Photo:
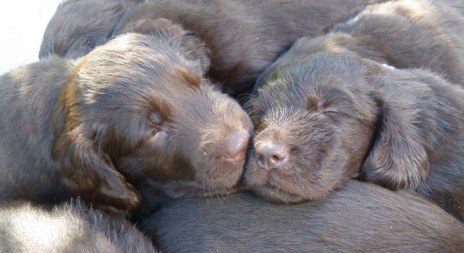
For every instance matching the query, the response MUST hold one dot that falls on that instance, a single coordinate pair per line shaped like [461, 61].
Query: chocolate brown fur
[97, 20]
[132, 112]
[404, 34]
[359, 218]
[404, 128]
[70, 227]
[242, 37]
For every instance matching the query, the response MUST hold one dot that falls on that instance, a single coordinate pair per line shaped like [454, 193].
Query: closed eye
[337, 113]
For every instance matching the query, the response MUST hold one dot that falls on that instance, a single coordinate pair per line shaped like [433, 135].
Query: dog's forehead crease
[315, 84]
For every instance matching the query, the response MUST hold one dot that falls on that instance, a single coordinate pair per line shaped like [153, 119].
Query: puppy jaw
[321, 157]
[213, 134]
[193, 157]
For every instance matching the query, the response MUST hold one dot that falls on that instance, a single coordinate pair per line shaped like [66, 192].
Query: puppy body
[70, 227]
[401, 128]
[360, 217]
[133, 112]
[241, 37]
[404, 34]
[27, 131]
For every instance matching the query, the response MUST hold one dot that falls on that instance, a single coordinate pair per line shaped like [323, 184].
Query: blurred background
[22, 24]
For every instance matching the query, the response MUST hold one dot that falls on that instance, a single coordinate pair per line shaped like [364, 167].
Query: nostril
[271, 155]
[237, 143]
[261, 162]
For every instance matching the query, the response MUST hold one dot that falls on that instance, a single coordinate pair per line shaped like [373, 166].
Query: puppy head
[182, 40]
[138, 109]
[78, 26]
[314, 120]
[144, 20]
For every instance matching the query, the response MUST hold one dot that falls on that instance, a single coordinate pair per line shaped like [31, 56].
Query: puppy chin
[280, 188]
[277, 195]
[193, 189]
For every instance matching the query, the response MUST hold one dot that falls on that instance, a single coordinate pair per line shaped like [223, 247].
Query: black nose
[271, 155]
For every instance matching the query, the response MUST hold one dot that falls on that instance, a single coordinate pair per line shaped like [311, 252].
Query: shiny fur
[398, 128]
[242, 37]
[134, 113]
[70, 227]
[359, 218]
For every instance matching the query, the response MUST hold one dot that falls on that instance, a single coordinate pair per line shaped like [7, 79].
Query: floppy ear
[398, 158]
[84, 169]
[175, 35]
[86, 172]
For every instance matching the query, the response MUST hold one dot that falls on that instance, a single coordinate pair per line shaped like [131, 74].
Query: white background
[22, 24]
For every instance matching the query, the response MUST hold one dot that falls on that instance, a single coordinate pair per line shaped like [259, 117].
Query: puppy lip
[277, 194]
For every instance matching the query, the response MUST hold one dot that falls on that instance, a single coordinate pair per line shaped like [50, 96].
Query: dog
[360, 217]
[70, 227]
[404, 34]
[132, 114]
[328, 117]
[241, 37]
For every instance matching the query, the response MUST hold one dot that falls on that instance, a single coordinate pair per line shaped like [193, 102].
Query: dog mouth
[194, 189]
[288, 188]
[277, 195]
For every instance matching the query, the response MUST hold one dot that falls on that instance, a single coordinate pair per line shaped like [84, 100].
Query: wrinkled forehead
[137, 63]
[317, 72]
[319, 83]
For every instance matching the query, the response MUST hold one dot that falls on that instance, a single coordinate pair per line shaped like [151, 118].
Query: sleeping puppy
[360, 217]
[404, 34]
[70, 227]
[323, 118]
[242, 37]
[134, 112]
[97, 23]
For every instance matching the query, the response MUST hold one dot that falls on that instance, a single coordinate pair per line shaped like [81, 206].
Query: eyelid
[339, 113]
[155, 118]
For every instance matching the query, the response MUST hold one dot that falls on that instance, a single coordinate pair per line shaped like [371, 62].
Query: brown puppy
[68, 228]
[404, 34]
[359, 218]
[97, 20]
[242, 37]
[322, 117]
[133, 112]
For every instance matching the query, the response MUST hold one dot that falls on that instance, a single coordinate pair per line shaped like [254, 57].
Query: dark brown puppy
[97, 20]
[322, 117]
[68, 228]
[404, 34]
[242, 37]
[133, 112]
[359, 218]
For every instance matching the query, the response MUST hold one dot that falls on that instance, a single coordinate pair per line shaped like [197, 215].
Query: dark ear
[173, 34]
[88, 173]
[397, 158]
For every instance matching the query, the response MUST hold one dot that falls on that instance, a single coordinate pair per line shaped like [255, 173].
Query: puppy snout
[236, 144]
[271, 155]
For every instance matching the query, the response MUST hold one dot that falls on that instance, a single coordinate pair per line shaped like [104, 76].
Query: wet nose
[271, 155]
[237, 144]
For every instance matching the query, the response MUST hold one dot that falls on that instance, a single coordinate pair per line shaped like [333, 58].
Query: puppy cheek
[159, 139]
[253, 175]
